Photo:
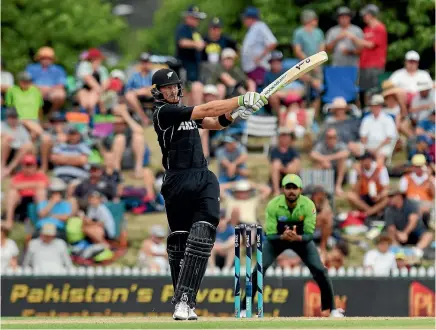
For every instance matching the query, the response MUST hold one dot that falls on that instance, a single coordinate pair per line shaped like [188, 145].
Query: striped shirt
[72, 150]
[138, 80]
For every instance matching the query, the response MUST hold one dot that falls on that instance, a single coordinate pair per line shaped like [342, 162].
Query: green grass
[218, 323]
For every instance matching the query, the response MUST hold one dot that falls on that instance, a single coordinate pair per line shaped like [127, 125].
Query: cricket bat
[298, 70]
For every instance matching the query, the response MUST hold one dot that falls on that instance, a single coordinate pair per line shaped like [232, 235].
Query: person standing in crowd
[290, 224]
[258, 42]
[216, 41]
[344, 51]
[189, 188]
[189, 46]
[374, 46]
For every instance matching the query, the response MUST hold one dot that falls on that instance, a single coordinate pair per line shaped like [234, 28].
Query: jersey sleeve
[271, 219]
[170, 114]
[199, 123]
[309, 221]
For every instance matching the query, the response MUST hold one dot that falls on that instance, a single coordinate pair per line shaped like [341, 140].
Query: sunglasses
[46, 58]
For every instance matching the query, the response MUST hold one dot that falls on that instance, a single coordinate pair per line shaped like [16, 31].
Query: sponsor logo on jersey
[187, 126]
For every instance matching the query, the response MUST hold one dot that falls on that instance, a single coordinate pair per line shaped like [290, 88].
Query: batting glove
[244, 112]
[252, 100]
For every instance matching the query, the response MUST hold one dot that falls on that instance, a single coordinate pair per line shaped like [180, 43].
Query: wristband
[224, 122]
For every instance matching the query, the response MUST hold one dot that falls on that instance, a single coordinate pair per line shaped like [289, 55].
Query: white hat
[118, 74]
[424, 85]
[228, 52]
[210, 89]
[377, 99]
[158, 230]
[48, 229]
[339, 103]
[242, 185]
[411, 55]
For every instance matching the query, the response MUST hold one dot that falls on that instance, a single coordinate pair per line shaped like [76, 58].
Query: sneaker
[243, 313]
[181, 311]
[191, 315]
[339, 312]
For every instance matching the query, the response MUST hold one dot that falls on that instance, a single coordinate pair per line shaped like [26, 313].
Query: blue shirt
[427, 125]
[187, 54]
[50, 76]
[61, 208]
[286, 157]
[223, 236]
[310, 42]
[138, 81]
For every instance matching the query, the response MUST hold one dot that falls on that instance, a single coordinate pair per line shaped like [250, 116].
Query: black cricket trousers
[191, 196]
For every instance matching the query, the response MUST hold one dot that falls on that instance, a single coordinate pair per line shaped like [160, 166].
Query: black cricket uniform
[190, 190]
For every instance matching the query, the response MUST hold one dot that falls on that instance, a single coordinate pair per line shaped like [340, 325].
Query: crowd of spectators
[65, 145]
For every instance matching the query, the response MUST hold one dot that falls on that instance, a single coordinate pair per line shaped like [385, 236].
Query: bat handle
[235, 113]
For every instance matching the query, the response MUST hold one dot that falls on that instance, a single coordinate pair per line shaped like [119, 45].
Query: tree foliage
[69, 26]
[410, 23]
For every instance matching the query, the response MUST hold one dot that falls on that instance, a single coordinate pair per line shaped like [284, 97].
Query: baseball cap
[423, 138]
[216, 22]
[11, 113]
[229, 139]
[370, 9]
[194, 11]
[228, 53]
[366, 155]
[57, 185]
[57, 117]
[377, 99]
[95, 193]
[48, 229]
[210, 89]
[251, 12]
[71, 130]
[94, 53]
[158, 230]
[276, 56]
[294, 179]
[412, 55]
[28, 159]
[419, 160]
[344, 11]
[400, 256]
[242, 185]
[24, 76]
[424, 85]
[308, 15]
[144, 57]
[339, 103]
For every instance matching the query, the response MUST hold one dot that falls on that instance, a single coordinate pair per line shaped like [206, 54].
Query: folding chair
[323, 178]
[261, 126]
[340, 81]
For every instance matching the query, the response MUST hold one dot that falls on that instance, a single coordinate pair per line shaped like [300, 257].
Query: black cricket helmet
[165, 77]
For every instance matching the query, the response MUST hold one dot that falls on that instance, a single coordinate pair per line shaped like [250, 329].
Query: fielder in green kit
[290, 223]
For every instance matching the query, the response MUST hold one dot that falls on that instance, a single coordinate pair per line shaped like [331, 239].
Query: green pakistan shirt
[278, 216]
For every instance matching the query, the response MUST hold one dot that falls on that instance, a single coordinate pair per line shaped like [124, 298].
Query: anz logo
[187, 126]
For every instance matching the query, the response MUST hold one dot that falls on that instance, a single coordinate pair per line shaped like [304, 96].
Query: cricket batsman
[190, 190]
[290, 224]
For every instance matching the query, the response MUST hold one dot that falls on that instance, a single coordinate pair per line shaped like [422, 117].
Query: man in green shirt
[290, 223]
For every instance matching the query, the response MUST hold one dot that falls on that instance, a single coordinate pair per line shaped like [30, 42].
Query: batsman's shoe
[191, 315]
[181, 311]
[339, 312]
[243, 313]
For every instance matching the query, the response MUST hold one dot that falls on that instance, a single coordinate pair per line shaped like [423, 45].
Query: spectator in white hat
[47, 253]
[153, 253]
[378, 132]
[407, 78]
[423, 102]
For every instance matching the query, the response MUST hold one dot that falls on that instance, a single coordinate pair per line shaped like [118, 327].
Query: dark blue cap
[216, 22]
[423, 138]
[251, 12]
[194, 11]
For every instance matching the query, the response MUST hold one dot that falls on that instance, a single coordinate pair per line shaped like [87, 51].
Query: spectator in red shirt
[374, 48]
[27, 186]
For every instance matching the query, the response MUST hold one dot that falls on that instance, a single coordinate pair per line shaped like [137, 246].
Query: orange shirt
[34, 178]
[365, 180]
[420, 192]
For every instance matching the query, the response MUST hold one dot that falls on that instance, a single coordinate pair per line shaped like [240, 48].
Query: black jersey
[178, 137]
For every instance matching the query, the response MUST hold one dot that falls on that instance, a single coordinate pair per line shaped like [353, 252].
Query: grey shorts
[368, 78]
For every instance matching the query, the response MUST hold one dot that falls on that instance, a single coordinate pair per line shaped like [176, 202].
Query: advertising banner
[151, 296]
